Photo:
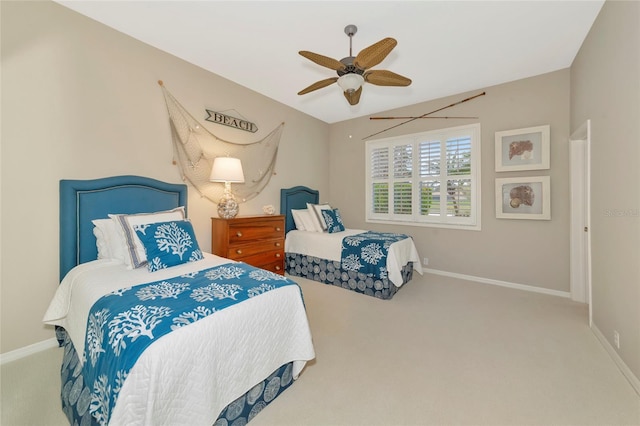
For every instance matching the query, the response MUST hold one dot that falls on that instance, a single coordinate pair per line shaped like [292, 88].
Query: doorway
[580, 235]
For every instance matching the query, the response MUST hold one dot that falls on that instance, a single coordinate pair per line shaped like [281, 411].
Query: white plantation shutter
[459, 156]
[443, 191]
[380, 163]
[402, 161]
[459, 197]
[429, 158]
[402, 169]
[380, 198]
[402, 196]
[430, 198]
[379, 188]
[459, 165]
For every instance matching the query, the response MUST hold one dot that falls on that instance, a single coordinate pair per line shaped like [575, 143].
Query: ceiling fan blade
[318, 85]
[385, 78]
[374, 54]
[354, 97]
[324, 61]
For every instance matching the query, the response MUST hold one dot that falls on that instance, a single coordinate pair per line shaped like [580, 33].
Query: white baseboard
[499, 283]
[626, 371]
[28, 350]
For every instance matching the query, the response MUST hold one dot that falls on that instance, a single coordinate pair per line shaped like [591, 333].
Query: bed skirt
[76, 396]
[330, 272]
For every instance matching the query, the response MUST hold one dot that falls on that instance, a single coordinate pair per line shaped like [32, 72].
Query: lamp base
[228, 206]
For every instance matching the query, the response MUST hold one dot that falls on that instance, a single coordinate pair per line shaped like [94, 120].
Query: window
[426, 179]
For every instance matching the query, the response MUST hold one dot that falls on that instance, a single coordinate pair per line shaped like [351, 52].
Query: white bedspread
[189, 376]
[329, 246]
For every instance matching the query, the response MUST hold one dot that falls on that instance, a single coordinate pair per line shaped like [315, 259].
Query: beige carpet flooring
[441, 352]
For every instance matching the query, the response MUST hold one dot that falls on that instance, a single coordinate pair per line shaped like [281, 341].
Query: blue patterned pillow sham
[333, 220]
[169, 244]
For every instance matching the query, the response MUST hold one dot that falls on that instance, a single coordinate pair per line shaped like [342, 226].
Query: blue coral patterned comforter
[367, 252]
[122, 324]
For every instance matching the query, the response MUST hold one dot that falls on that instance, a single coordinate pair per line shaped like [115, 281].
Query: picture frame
[527, 197]
[523, 149]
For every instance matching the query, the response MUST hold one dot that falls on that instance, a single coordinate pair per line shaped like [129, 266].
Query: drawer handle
[277, 254]
[238, 251]
[239, 234]
[278, 244]
[278, 228]
[278, 268]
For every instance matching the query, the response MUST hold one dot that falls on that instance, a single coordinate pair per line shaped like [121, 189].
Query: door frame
[580, 232]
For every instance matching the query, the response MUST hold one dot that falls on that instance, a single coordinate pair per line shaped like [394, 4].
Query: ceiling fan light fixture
[354, 71]
[350, 82]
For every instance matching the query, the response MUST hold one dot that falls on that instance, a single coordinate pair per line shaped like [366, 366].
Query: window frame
[473, 222]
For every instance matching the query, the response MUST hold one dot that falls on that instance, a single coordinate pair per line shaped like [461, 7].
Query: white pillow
[303, 220]
[109, 240]
[319, 223]
[135, 255]
[101, 244]
[297, 218]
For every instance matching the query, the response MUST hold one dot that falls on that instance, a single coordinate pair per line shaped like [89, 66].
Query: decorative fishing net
[195, 148]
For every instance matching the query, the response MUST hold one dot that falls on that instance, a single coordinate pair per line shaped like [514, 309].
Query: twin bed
[234, 336]
[320, 256]
[227, 338]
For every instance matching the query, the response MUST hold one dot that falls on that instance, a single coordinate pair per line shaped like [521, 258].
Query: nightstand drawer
[277, 267]
[237, 251]
[258, 230]
[260, 259]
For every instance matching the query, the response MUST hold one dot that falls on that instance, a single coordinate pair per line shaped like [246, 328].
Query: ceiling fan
[353, 72]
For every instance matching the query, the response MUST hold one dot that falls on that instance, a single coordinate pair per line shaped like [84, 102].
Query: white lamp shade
[350, 81]
[226, 169]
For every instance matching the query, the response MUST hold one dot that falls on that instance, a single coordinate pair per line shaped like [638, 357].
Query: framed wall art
[523, 149]
[526, 197]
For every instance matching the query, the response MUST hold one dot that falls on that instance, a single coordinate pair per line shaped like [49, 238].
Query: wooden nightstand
[256, 240]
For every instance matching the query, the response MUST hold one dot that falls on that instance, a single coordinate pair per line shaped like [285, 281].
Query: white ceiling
[445, 47]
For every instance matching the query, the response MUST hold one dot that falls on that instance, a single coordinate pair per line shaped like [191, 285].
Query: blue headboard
[82, 201]
[296, 198]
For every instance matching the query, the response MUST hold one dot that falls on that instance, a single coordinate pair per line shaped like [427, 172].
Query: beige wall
[80, 100]
[529, 252]
[605, 88]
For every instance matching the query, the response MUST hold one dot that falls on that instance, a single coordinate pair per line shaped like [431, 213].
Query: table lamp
[227, 170]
